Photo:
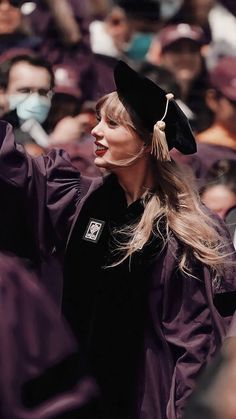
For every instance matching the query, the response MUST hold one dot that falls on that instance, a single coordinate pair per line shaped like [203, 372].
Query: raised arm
[39, 196]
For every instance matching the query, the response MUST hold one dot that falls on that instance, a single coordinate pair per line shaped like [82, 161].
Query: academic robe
[184, 327]
[41, 376]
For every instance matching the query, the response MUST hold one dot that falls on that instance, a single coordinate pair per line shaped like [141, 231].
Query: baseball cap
[173, 33]
[223, 77]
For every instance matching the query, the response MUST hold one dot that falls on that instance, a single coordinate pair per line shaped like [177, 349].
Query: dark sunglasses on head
[14, 3]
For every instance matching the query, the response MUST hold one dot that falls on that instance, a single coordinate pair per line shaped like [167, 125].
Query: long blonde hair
[175, 201]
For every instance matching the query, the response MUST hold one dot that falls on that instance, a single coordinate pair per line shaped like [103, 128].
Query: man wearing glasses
[27, 82]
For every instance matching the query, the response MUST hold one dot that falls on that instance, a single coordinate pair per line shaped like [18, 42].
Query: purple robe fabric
[33, 339]
[206, 156]
[185, 328]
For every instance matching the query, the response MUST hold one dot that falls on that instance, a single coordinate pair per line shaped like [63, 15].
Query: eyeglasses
[14, 3]
[41, 92]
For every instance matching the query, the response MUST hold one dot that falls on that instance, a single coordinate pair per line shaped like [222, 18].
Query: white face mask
[30, 106]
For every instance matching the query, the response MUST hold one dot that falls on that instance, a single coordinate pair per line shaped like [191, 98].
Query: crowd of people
[118, 231]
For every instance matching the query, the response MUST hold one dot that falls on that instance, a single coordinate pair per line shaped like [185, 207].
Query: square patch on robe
[94, 230]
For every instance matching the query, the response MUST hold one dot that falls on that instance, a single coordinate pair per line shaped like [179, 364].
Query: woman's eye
[112, 123]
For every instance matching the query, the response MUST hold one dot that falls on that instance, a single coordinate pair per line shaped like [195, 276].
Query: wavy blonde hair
[175, 201]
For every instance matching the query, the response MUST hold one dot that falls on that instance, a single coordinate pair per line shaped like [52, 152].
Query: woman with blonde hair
[143, 260]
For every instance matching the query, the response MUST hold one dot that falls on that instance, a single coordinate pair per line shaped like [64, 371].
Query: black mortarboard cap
[148, 101]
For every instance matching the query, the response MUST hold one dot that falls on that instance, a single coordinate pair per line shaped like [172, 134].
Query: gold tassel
[159, 144]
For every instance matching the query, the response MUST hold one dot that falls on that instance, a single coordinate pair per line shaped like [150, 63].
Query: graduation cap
[156, 110]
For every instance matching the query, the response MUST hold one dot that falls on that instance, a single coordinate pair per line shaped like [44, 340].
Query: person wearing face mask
[27, 82]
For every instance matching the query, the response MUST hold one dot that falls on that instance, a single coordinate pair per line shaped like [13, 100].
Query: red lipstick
[100, 150]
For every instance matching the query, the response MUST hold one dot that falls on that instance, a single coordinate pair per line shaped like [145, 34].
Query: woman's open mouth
[100, 150]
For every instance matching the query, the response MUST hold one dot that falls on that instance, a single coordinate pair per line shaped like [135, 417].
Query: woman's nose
[96, 131]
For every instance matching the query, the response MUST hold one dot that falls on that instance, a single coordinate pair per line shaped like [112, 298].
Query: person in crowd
[217, 20]
[219, 140]
[142, 259]
[13, 30]
[43, 104]
[27, 82]
[42, 372]
[56, 30]
[195, 12]
[111, 35]
[221, 99]
[219, 190]
[144, 21]
[178, 49]
[10, 16]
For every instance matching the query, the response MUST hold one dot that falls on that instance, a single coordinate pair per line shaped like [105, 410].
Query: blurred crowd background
[57, 58]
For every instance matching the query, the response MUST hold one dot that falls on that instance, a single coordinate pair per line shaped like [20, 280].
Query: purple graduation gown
[185, 327]
[36, 342]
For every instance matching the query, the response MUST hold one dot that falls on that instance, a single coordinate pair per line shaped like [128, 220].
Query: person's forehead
[183, 43]
[23, 73]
